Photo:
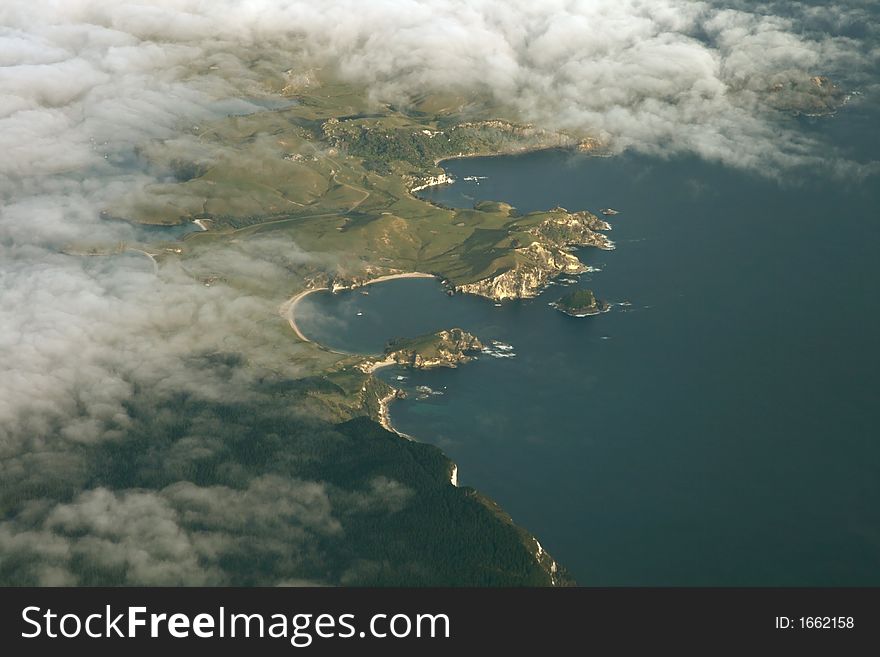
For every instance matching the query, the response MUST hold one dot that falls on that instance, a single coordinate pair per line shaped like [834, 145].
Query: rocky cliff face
[530, 257]
[566, 228]
[536, 266]
[416, 184]
[546, 257]
[441, 349]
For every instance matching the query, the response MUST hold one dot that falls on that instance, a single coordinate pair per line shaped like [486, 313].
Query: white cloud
[176, 536]
[85, 79]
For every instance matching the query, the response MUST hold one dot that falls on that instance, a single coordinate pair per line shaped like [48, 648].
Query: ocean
[720, 425]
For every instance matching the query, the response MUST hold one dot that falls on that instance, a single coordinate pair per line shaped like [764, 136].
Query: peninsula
[441, 349]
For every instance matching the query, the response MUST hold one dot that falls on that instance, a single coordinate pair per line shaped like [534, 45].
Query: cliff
[441, 349]
[548, 255]
[417, 184]
[564, 228]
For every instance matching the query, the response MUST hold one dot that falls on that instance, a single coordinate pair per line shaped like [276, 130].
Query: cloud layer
[83, 81]
[172, 537]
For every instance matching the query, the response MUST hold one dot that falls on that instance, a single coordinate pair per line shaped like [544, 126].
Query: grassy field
[332, 174]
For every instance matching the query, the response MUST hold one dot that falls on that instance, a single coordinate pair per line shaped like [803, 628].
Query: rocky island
[580, 303]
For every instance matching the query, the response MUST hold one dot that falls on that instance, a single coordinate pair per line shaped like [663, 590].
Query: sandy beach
[377, 365]
[385, 415]
[389, 277]
[288, 307]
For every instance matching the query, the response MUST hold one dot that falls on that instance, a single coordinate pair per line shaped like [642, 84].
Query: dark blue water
[721, 430]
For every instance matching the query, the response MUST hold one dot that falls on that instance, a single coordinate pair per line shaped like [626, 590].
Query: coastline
[570, 148]
[503, 153]
[288, 311]
[385, 402]
[590, 313]
[385, 415]
[389, 277]
[288, 308]
[377, 365]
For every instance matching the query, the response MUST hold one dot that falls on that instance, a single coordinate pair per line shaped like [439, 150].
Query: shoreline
[385, 415]
[523, 151]
[590, 313]
[377, 365]
[389, 277]
[573, 148]
[287, 309]
[385, 402]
